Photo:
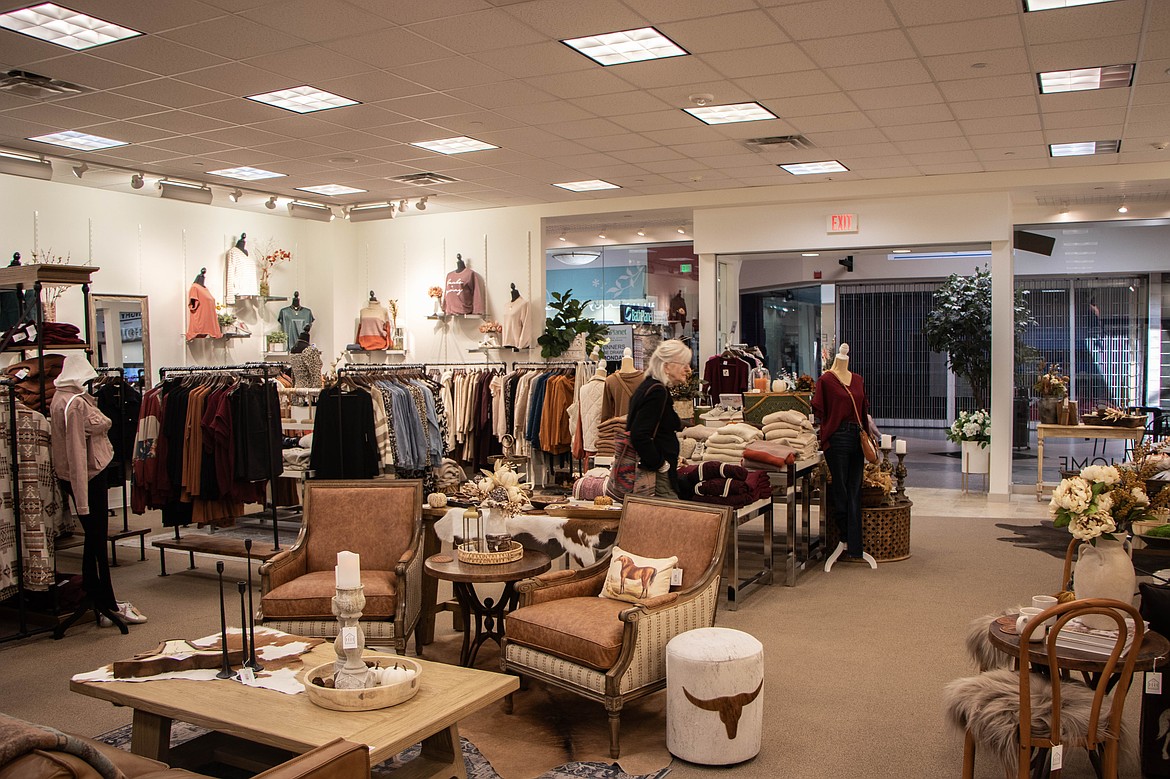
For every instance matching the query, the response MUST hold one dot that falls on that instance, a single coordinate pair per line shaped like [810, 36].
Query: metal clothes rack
[266, 370]
[554, 364]
[120, 431]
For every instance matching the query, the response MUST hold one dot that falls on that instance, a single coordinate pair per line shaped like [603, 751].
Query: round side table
[489, 613]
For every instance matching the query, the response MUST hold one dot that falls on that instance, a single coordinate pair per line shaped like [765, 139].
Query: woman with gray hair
[651, 419]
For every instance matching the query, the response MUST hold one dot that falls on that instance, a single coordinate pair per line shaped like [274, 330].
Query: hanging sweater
[81, 444]
[242, 275]
[515, 323]
[463, 292]
[589, 401]
[203, 322]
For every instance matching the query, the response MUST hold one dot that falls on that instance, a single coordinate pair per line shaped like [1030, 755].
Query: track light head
[402, 204]
[642, 231]
[847, 263]
[421, 205]
[79, 170]
[1123, 209]
[270, 203]
[562, 237]
[682, 230]
[137, 181]
[235, 195]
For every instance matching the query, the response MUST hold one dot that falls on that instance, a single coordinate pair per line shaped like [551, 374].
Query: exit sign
[842, 223]
[684, 267]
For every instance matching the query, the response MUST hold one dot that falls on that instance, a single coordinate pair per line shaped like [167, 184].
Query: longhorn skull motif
[730, 707]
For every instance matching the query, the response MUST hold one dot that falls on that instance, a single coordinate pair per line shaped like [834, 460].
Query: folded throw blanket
[791, 417]
[18, 738]
[744, 431]
[770, 452]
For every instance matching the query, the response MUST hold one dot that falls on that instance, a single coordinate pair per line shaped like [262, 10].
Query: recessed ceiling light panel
[811, 168]
[459, 145]
[332, 190]
[728, 114]
[1084, 148]
[64, 27]
[619, 48]
[1081, 79]
[1047, 5]
[303, 100]
[71, 139]
[244, 173]
[587, 186]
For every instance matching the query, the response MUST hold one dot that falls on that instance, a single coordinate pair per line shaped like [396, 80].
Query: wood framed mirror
[121, 334]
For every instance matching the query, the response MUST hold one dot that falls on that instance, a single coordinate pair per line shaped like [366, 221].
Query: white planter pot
[976, 459]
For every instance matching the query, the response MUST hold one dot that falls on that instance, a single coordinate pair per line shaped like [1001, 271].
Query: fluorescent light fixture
[1084, 148]
[71, 139]
[181, 190]
[812, 168]
[331, 190]
[64, 27]
[303, 100]
[458, 145]
[576, 258]
[368, 212]
[244, 173]
[25, 165]
[901, 251]
[80, 170]
[235, 195]
[586, 186]
[729, 114]
[303, 210]
[270, 203]
[1047, 5]
[979, 254]
[1109, 76]
[810, 254]
[618, 48]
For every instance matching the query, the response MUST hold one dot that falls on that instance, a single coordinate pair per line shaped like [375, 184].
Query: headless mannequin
[460, 265]
[15, 260]
[515, 293]
[600, 372]
[200, 276]
[240, 243]
[627, 362]
[840, 369]
[373, 297]
[296, 301]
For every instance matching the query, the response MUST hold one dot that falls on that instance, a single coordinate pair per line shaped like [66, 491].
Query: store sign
[842, 223]
[131, 325]
[637, 314]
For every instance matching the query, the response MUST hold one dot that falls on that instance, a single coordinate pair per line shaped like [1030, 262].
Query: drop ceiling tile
[782, 85]
[846, 154]
[411, 13]
[1006, 140]
[549, 149]
[660, 189]
[428, 106]
[295, 150]
[1026, 123]
[1158, 113]
[362, 117]
[707, 149]
[998, 88]
[1021, 154]
[918, 94]
[90, 71]
[233, 37]
[480, 31]
[932, 145]
[307, 65]
[971, 35]
[843, 17]
[697, 175]
[581, 83]
[850, 120]
[158, 55]
[546, 113]
[950, 168]
[830, 140]
[306, 19]
[654, 154]
[449, 74]
[1157, 45]
[655, 120]
[242, 136]
[1101, 118]
[572, 19]
[349, 140]
[1150, 71]
[745, 163]
[519, 137]
[1024, 105]
[741, 130]
[140, 153]
[237, 79]
[370, 87]
[699, 133]
[727, 32]
[411, 132]
[759, 61]
[537, 59]
[942, 158]
[812, 105]
[252, 158]
[914, 132]
[500, 95]
[660, 11]
[862, 164]
[896, 117]
[1097, 160]
[56, 116]
[675, 71]
[997, 62]
[537, 170]
[845, 50]
[920, 12]
[388, 48]
[111, 105]
[584, 162]
[9, 100]
[170, 92]
[880, 74]
[1082, 24]
[189, 144]
[616, 142]
[238, 111]
[890, 173]
[583, 128]
[1152, 94]
[1116, 50]
[400, 152]
[621, 103]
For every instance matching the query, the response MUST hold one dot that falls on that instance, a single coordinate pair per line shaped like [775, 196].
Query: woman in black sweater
[651, 419]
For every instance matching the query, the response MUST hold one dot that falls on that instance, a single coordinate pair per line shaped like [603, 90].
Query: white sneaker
[127, 613]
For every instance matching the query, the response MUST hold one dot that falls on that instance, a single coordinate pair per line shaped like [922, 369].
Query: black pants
[847, 465]
[95, 562]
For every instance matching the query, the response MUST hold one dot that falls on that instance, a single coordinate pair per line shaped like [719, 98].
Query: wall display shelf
[445, 317]
[237, 335]
[272, 298]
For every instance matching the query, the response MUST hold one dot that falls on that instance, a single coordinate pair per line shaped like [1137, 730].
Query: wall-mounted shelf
[237, 335]
[376, 351]
[499, 348]
[445, 317]
[48, 347]
[270, 298]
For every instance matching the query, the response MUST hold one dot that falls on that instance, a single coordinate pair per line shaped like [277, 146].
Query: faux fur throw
[18, 738]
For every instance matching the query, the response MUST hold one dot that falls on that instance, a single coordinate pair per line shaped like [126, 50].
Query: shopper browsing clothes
[81, 451]
[651, 419]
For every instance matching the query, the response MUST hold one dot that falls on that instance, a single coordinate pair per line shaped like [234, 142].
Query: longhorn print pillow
[634, 578]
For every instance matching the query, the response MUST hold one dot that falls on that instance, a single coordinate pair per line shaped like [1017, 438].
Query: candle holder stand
[900, 475]
[350, 671]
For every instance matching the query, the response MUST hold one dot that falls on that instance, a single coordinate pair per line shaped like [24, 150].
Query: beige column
[1003, 273]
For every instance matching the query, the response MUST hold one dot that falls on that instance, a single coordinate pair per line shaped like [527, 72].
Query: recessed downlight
[64, 27]
[812, 168]
[625, 46]
[1081, 79]
[592, 185]
[458, 145]
[303, 99]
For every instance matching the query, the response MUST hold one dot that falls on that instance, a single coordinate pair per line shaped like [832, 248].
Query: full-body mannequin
[840, 433]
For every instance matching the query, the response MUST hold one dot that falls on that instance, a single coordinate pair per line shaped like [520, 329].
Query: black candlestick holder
[252, 661]
[900, 475]
[242, 587]
[225, 671]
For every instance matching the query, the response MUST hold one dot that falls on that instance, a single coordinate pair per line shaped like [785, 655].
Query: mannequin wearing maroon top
[840, 441]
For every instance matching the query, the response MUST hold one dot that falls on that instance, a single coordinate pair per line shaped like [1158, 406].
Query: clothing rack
[124, 468]
[264, 370]
[553, 364]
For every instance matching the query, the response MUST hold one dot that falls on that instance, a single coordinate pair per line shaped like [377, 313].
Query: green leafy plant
[959, 325]
[563, 326]
[277, 337]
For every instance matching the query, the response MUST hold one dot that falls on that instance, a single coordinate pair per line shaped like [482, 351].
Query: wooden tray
[584, 512]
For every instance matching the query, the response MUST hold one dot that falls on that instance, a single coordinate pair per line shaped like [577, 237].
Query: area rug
[478, 766]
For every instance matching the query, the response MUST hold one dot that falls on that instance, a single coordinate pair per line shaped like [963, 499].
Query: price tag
[1154, 683]
[676, 577]
[726, 372]
[1057, 757]
[247, 674]
[349, 638]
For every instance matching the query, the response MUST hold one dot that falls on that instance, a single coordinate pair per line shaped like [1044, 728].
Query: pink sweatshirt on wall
[463, 293]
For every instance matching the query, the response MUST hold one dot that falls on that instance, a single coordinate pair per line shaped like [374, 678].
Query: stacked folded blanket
[726, 444]
[723, 484]
[768, 456]
[591, 485]
[605, 435]
[792, 429]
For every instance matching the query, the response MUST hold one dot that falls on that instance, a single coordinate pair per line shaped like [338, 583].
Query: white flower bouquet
[971, 426]
[1084, 504]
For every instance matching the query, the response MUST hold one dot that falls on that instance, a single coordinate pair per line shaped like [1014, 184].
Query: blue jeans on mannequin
[847, 466]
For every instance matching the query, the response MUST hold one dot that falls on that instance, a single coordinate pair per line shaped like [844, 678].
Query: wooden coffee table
[489, 614]
[446, 695]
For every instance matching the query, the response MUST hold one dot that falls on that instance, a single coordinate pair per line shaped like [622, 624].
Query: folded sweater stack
[792, 429]
[723, 484]
[727, 443]
[605, 435]
[768, 456]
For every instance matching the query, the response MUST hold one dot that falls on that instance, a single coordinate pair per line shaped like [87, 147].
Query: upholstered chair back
[376, 520]
[694, 532]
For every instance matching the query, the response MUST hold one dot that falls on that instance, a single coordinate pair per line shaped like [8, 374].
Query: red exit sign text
[842, 223]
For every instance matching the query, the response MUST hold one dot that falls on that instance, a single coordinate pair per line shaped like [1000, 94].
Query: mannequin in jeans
[840, 416]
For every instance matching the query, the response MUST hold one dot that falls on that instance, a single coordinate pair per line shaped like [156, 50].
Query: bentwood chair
[379, 519]
[612, 651]
[1020, 715]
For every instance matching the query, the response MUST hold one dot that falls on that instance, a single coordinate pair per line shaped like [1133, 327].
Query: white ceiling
[891, 88]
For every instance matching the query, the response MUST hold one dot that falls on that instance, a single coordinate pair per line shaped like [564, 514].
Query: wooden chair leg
[614, 726]
[968, 756]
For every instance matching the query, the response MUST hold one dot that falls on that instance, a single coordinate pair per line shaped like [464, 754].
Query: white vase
[1104, 570]
[976, 458]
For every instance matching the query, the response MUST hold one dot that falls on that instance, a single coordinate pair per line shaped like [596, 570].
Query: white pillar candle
[900, 447]
[348, 571]
[887, 440]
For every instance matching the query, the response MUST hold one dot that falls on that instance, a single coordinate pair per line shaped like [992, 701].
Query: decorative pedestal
[885, 532]
[714, 696]
[976, 459]
[350, 670]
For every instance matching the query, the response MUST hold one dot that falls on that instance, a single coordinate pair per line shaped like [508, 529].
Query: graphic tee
[294, 321]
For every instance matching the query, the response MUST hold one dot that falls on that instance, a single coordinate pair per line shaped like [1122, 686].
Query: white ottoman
[714, 696]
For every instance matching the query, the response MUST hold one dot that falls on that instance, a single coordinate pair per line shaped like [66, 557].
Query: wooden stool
[714, 696]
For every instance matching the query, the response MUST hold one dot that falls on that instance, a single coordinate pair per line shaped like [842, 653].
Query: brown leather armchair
[382, 521]
[608, 650]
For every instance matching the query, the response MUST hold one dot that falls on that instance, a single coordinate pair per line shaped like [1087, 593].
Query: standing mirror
[122, 335]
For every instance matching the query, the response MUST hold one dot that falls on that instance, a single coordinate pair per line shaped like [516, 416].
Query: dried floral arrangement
[435, 292]
[1051, 383]
[491, 327]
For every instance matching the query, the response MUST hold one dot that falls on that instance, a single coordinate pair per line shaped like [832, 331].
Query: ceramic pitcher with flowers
[1104, 570]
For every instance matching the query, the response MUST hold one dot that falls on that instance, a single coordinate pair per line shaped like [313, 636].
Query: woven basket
[476, 557]
[885, 532]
